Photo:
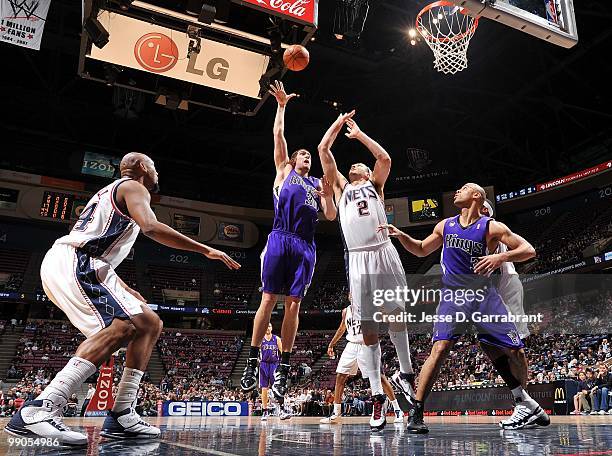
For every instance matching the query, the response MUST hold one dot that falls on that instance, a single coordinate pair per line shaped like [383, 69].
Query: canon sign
[213, 408]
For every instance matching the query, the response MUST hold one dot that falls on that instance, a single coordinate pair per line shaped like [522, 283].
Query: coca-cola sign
[302, 10]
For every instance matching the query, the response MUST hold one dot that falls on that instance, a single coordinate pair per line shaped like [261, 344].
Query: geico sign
[204, 409]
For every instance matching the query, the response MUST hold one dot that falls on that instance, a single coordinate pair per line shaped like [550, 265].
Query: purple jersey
[461, 249]
[269, 350]
[296, 205]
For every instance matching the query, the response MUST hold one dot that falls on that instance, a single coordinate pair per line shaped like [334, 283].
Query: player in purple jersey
[466, 241]
[271, 347]
[288, 259]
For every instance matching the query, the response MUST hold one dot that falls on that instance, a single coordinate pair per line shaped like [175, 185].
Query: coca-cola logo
[298, 8]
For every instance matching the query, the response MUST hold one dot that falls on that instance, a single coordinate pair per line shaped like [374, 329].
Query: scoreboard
[56, 205]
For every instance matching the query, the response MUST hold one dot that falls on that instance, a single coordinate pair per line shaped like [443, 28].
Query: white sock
[337, 409]
[128, 389]
[372, 362]
[68, 380]
[395, 405]
[520, 393]
[402, 347]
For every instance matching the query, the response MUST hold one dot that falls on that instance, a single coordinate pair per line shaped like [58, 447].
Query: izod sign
[155, 49]
[300, 10]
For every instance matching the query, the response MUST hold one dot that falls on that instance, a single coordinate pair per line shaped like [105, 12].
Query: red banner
[300, 10]
[575, 176]
[103, 400]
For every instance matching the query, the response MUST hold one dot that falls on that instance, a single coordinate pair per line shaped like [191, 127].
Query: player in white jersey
[351, 359]
[373, 262]
[509, 287]
[78, 276]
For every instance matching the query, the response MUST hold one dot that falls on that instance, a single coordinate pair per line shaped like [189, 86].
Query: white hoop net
[447, 29]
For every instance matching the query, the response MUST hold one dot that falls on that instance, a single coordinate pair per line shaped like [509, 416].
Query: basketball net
[447, 29]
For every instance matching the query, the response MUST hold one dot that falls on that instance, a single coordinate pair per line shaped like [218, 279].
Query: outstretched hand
[392, 230]
[342, 119]
[277, 90]
[214, 254]
[352, 129]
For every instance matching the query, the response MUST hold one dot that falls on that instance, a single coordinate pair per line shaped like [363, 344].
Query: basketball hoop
[447, 29]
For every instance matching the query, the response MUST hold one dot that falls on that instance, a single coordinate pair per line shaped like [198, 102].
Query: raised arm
[382, 167]
[330, 169]
[326, 195]
[339, 333]
[519, 249]
[419, 248]
[281, 154]
[138, 202]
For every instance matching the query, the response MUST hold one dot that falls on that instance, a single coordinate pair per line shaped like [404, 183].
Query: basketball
[296, 57]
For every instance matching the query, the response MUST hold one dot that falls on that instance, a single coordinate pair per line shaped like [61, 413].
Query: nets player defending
[373, 261]
[466, 240]
[271, 347]
[288, 259]
[78, 275]
[350, 360]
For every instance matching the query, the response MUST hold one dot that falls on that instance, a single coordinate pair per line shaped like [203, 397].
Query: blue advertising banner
[211, 408]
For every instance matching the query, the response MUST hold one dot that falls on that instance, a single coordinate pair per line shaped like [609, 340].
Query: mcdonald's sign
[559, 395]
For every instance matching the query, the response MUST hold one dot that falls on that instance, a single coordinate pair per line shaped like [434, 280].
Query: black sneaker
[248, 381]
[378, 420]
[279, 388]
[416, 425]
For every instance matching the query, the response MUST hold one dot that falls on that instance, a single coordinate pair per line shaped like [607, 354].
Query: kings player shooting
[288, 259]
[466, 241]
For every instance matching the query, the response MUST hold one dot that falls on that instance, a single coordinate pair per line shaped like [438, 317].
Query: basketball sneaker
[378, 420]
[284, 414]
[405, 383]
[525, 413]
[279, 388]
[249, 377]
[265, 414]
[331, 419]
[43, 419]
[416, 425]
[127, 425]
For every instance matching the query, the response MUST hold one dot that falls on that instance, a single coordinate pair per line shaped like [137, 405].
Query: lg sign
[157, 53]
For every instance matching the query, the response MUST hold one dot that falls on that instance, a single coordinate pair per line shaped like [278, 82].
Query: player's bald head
[132, 160]
[140, 167]
[478, 189]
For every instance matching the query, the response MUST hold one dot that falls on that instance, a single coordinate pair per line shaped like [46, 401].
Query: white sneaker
[127, 425]
[526, 413]
[602, 412]
[405, 383]
[399, 416]
[378, 420]
[264, 415]
[43, 419]
[332, 419]
[593, 412]
[284, 414]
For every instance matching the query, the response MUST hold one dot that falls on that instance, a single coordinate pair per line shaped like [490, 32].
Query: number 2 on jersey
[362, 208]
[85, 217]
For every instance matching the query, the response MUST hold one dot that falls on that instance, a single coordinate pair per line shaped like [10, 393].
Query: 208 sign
[303, 10]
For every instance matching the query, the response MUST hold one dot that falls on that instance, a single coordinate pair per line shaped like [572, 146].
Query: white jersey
[353, 327]
[102, 230]
[360, 211]
[507, 267]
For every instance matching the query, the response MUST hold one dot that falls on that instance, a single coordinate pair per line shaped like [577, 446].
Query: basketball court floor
[456, 436]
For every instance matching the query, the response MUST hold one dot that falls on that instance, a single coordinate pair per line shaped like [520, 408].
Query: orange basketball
[296, 57]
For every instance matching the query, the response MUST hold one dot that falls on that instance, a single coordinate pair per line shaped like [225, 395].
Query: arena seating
[13, 264]
[174, 278]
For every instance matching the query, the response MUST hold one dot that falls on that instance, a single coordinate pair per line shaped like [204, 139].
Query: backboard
[550, 20]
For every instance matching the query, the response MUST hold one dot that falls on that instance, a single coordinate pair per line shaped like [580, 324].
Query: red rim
[471, 30]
